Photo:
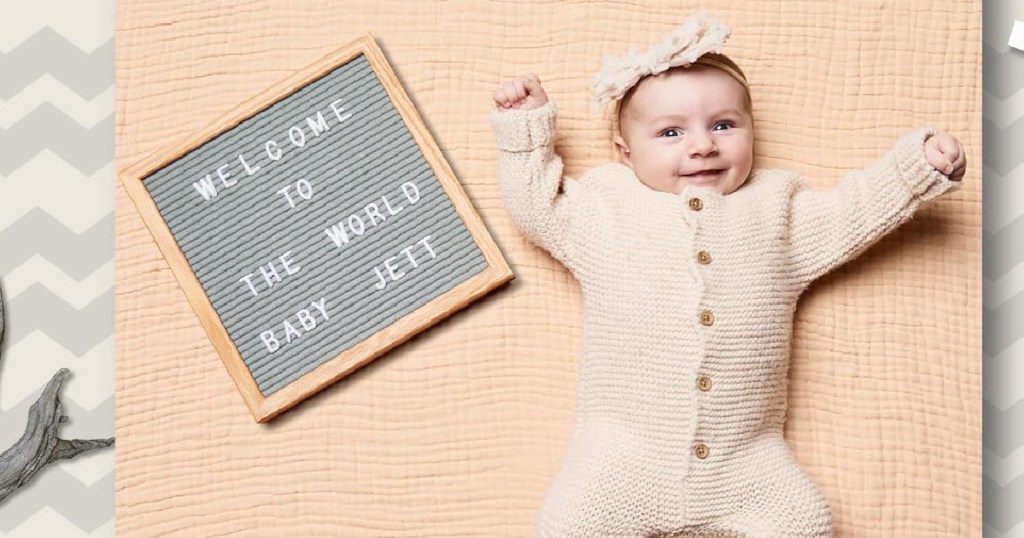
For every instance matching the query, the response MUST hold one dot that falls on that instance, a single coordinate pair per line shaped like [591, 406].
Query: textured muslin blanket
[460, 431]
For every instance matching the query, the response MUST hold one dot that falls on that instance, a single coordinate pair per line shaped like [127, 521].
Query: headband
[695, 42]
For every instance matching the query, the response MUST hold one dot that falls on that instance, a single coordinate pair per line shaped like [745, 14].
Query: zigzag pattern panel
[1003, 302]
[56, 236]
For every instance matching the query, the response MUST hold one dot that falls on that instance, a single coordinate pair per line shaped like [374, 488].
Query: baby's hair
[710, 60]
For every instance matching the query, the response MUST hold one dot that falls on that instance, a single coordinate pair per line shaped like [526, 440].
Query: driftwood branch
[40, 445]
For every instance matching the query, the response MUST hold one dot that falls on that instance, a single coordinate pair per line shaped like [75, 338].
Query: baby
[691, 264]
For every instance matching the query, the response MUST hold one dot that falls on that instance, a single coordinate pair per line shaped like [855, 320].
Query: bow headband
[695, 42]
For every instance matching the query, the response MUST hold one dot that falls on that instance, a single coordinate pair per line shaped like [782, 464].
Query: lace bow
[698, 36]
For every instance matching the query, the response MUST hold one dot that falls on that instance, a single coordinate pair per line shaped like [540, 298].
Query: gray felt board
[286, 190]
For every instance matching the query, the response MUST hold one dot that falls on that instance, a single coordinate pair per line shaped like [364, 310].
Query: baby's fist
[946, 154]
[523, 93]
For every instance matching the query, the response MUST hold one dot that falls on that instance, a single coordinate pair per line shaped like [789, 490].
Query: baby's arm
[529, 171]
[828, 228]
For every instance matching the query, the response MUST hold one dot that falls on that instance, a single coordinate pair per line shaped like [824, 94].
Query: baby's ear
[620, 144]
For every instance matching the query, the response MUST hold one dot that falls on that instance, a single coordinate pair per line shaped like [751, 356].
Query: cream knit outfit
[688, 311]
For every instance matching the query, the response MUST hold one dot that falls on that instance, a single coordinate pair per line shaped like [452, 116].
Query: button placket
[701, 450]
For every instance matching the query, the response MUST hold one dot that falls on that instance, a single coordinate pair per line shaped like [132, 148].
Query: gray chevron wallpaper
[1003, 199]
[56, 257]
[57, 250]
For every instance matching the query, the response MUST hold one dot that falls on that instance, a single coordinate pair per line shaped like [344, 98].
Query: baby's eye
[724, 124]
[671, 132]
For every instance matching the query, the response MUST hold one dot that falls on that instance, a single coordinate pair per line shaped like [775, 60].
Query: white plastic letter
[270, 341]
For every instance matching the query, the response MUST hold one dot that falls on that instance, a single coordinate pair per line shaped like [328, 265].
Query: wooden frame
[263, 408]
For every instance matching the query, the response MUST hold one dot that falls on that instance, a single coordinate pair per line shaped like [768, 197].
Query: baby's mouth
[704, 174]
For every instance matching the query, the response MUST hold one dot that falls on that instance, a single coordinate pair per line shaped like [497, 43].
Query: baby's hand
[946, 154]
[524, 93]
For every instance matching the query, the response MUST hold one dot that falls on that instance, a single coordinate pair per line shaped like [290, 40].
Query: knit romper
[688, 310]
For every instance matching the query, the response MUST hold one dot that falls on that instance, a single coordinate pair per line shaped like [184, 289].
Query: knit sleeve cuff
[524, 130]
[924, 180]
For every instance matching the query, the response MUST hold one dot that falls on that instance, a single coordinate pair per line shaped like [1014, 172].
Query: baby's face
[688, 127]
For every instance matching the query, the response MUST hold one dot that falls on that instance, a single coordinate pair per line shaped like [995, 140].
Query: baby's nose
[701, 144]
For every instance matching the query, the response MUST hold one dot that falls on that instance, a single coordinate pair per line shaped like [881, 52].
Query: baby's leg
[607, 488]
[778, 501]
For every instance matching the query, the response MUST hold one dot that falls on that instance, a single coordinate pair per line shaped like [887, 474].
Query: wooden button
[707, 318]
[701, 450]
[696, 204]
[703, 257]
[704, 383]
